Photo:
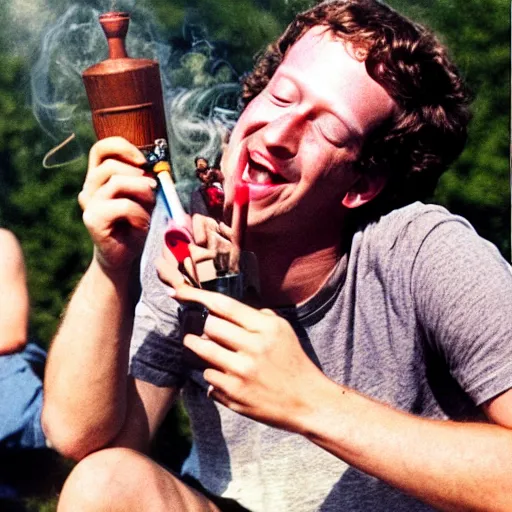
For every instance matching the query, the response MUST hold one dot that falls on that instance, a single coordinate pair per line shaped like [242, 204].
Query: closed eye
[282, 91]
[280, 100]
[332, 129]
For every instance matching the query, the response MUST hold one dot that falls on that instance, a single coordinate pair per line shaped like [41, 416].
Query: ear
[364, 189]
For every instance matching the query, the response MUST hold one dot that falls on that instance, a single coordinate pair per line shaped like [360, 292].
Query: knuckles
[247, 368]
[83, 198]
[89, 218]
[274, 327]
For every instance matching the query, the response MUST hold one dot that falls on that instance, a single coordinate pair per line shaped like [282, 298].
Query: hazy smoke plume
[200, 90]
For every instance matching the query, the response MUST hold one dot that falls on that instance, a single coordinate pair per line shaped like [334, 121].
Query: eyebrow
[342, 115]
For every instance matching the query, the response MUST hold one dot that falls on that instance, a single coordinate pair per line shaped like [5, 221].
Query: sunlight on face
[295, 142]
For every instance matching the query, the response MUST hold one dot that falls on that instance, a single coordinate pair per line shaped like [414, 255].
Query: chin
[273, 223]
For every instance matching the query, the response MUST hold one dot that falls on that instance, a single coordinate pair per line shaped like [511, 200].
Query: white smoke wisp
[56, 83]
[199, 121]
[202, 104]
[200, 90]
[24, 22]
[70, 45]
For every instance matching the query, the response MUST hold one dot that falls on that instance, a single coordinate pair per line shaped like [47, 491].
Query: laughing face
[295, 143]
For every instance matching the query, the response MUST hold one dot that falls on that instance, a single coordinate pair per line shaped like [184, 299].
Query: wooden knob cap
[115, 26]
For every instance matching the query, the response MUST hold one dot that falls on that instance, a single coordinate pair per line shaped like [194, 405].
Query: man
[379, 379]
[208, 198]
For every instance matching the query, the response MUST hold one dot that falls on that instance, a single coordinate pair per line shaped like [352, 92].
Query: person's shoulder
[412, 223]
[418, 213]
[399, 234]
[10, 246]
[12, 261]
[8, 238]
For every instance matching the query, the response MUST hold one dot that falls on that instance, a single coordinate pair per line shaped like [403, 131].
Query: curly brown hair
[428, 129]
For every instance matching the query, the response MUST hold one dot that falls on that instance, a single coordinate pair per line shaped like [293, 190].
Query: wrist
[119, 282]
[119, 275]
[318, 403]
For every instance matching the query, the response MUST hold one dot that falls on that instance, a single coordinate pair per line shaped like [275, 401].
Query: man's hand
[215, 237]
[256, 364]
[117, 199]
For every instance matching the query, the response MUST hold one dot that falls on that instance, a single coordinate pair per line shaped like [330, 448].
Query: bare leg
[120, 479]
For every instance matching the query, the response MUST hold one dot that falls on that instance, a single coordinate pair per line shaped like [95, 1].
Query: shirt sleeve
[462, 289]
[156, 349]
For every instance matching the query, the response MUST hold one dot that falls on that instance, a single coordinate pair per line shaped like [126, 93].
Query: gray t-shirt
[417, 316]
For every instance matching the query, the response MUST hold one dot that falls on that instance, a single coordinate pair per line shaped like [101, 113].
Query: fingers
[201, 225]
[226, 333]
[222, 248]
[209, 234]
[223, 387]
[118, 148]
[112, 179]
[100, 221]
[225, 231]
[201, 253]
[137, 188]
[134, 200]
[107, 158]
[225, 307]
[215, 355]
[104, 174]
[168, 270]
[117, 200]
[220, 383]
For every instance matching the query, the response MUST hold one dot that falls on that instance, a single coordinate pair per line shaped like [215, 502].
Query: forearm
[451, 466]
[258, 368]
[86, 374]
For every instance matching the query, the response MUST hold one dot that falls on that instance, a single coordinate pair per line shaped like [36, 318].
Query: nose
[282, 135]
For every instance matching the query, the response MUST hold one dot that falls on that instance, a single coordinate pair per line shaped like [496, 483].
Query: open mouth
[261, 175]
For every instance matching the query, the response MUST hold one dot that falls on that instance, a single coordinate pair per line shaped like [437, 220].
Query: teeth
[259, 177]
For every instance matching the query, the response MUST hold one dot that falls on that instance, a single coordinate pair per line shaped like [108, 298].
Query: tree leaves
[40, 206]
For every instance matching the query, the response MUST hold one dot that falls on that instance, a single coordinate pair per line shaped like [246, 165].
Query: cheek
[256, 115]
[330, 177]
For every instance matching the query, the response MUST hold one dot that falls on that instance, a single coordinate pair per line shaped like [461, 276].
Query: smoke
[72, 43]
[200, 88]
[23, 19]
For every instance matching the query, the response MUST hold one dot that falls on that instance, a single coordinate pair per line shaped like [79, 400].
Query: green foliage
[41, 505]
[242, 27]
[40, 206]
[478, 184]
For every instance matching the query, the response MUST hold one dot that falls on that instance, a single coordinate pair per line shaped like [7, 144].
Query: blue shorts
[21, 399]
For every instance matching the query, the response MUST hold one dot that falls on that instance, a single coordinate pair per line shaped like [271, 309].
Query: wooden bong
[125, 96]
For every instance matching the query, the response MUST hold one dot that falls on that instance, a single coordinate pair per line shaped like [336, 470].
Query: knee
[102, 481]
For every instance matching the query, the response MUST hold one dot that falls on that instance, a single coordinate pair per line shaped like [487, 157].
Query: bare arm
[90, 402]
[449, 465]
[14, 299]
[85, 382]
[258, 369]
